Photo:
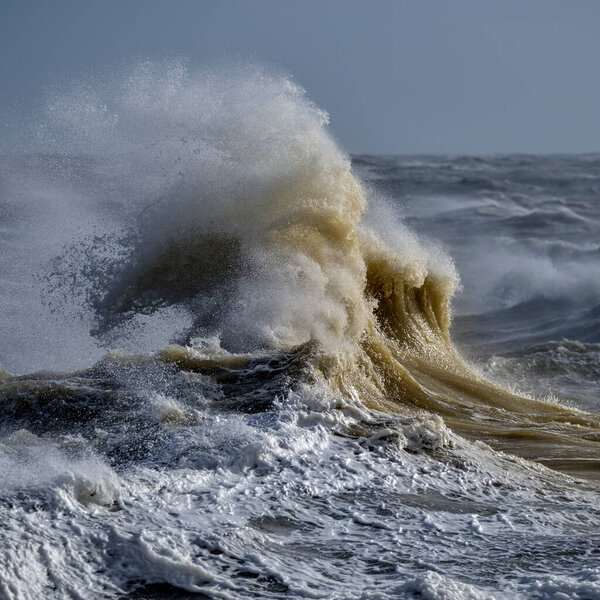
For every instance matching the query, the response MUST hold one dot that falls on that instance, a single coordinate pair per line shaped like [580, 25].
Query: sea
[239, 362]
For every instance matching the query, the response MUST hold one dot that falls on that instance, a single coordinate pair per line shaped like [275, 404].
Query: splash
[247, 214]
[246, 221]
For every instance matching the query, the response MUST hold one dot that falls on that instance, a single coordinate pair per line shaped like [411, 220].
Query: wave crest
[258, 231]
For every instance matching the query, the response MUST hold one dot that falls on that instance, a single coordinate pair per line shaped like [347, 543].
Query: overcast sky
[419, 76]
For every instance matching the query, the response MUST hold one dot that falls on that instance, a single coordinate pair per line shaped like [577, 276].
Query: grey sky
[462, 76]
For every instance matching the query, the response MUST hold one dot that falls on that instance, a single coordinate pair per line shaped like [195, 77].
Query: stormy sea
[238, 362]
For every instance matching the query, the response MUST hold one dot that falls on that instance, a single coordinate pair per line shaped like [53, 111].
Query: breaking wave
[255, 391]
[249, 224]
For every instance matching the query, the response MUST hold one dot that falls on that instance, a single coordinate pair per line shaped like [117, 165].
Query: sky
[396, 77]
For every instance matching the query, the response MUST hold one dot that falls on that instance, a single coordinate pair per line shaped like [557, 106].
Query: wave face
[285, 381]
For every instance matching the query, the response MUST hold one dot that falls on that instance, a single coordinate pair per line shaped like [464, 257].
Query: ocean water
[239, 363]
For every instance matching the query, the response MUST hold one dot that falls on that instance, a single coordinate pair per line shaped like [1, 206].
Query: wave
[249, 224]
[533, 321]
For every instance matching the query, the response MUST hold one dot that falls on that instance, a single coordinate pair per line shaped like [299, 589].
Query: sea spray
[250, 226]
